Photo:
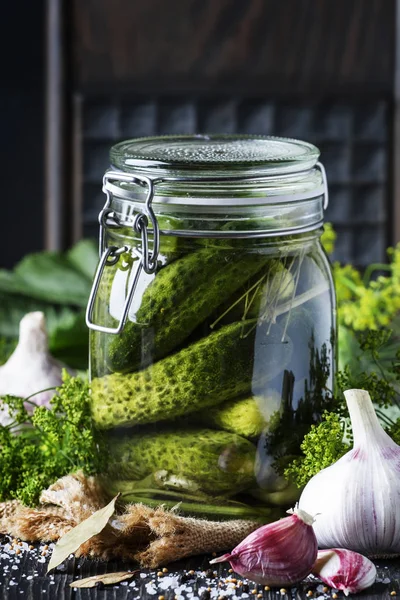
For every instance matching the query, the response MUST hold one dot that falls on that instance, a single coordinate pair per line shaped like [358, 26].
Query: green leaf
[7, 347]
[84, 256]
[11, 283]
[57, 285]
[13, 308]
[71, 541]
[50, 276]
[69, 338]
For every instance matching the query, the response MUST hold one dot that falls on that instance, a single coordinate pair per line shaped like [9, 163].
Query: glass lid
[206, 154]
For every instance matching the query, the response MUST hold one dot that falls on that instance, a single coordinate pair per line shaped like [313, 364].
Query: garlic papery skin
[344, 570]
[281, 553]
[357, 499]
[30, 368]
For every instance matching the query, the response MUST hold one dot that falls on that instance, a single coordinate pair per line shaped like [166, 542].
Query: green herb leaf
[84, 257]
[321, 447]
[52, 443]
[71, 541]
[50, 276]
[57, 285]
[69, 338]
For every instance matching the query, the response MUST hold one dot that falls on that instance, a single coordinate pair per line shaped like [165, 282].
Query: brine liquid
[224, 453]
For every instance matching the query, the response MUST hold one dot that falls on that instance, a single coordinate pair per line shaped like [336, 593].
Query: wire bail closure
[108, 218]
[147, 260]
[321, 167]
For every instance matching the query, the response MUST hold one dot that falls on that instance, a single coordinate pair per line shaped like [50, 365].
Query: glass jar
[212, 317]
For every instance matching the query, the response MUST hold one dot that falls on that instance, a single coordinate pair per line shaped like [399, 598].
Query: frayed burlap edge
[152, 537]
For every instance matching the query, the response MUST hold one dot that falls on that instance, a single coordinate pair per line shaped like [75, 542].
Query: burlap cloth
[152, 537]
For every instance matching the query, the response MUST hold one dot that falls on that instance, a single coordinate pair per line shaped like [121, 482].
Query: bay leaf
[106, 579]
[70, 542]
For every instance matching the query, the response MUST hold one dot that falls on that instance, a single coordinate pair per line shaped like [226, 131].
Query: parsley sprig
[42, 445]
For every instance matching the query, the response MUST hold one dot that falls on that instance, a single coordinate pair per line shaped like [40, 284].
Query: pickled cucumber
[208, 372]
[216, 461]
[181, 296]
[243, 417]
[223, 365]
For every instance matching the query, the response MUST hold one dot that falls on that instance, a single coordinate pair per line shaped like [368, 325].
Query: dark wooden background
[195, 62]
[321, 71]
[22, 126]
[291, 47]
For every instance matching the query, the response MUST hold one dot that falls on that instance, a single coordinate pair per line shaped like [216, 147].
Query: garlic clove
[280, 553]
[357, 499]
[31, 368]
[344, 570]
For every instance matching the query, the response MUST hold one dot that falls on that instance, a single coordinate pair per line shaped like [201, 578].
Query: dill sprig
[330, 439]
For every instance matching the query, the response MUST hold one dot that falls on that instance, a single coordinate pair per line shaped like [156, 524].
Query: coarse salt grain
[167, 582]
[150, 588]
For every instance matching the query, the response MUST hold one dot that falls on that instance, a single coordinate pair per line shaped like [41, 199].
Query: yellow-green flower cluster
[328, 238]
[366, 303]
[348, 282]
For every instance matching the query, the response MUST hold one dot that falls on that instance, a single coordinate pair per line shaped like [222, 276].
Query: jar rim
[290, 183]
[214, 154]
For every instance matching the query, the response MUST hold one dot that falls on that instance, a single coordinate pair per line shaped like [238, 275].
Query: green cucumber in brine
[181, 296]
[239, 416]
[247, 417]
[228, 363]
[211, 462]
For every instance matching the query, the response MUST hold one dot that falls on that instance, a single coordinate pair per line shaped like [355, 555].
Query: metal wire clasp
[107, 217]
[110, 256]
[321, 167]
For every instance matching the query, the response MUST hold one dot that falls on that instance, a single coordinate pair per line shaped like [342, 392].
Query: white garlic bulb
[30, 368]
[357, 499]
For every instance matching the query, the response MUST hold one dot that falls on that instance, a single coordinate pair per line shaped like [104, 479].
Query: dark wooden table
[23, 575]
